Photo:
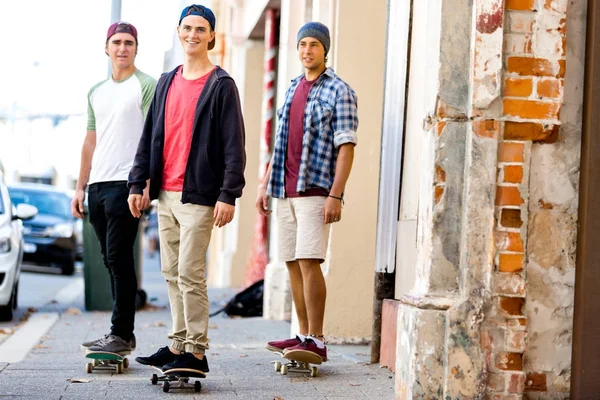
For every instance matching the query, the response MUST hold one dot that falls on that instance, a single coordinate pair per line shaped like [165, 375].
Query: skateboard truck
[106, 361]
[174, 379]
[296, 366]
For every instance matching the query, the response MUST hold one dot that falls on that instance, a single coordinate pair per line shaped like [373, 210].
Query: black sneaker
[87, 345]
[161, 357]
[112, 344]
[187, 361]
[132, 342]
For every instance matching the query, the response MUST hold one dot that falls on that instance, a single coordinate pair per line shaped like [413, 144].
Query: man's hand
[262, 202]
[332, 210]
[145, 198]
[135, 204]
[77, 204]
[223, 214]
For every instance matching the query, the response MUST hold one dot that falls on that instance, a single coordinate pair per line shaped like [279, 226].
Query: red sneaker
[307, 352]
[279, 346]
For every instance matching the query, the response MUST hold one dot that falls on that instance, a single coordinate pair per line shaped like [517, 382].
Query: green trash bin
[98, 296]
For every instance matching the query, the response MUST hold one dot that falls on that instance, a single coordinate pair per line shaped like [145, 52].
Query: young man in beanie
[192, 150]
[117, 108]
[312, 158]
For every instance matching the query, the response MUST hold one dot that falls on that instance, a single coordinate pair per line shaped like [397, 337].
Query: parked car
[11, 250]
[50, 237]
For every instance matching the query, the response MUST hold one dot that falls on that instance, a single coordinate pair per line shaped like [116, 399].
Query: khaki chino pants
[184, 232]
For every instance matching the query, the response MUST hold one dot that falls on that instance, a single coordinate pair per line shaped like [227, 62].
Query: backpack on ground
[247, 303]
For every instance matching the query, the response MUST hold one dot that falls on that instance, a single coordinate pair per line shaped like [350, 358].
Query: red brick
[440, 174]
[533, 131]
[535, 382]
[509, 284]
[550, 88]
[516, 383]
[518, 87]
[520, 5]
[530, 109]
[497, 382]
[440, 127]
[511, 152]
[511, 305]
[517, 43]
[515, 340]
[521, 22]
[509, 241]
[528, 66]
[511, 262]
[486, 128]
[508, 196]
[509, 361]
[511, 218]
[439, 192]
[513, 173]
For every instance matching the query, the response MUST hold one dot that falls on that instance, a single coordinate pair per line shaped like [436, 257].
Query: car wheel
[6, 312]
[68, 268]
[16, 297]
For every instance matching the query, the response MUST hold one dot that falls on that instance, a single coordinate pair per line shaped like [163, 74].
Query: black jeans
[116, 230]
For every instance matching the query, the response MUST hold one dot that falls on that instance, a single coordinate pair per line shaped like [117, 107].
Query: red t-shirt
[180, 110]
[294, 144]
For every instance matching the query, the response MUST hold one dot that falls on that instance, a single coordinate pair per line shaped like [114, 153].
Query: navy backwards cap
[316, 30]
[196, 9]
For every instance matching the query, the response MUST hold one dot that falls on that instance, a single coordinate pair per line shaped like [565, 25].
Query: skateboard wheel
[166, 387]
[154, 379]
[126, 363]
[88, 368]
[94, 362]
[277, 366]
[284, 370]
[197, 386]
[119, 368]
[314, 372]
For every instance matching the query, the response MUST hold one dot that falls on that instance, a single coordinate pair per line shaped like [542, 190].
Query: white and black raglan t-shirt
[116, 111]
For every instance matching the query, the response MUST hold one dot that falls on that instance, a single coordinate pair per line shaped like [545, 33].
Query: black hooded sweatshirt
[215, 166]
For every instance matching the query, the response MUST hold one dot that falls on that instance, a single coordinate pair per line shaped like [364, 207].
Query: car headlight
[4, 245]
[64, 230]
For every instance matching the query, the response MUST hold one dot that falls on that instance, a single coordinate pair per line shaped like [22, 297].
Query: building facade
[456, 256]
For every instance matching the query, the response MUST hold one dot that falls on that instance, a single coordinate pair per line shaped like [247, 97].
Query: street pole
[115, 15]
[259, 257]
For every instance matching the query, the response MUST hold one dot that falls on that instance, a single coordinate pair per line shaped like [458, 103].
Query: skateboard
[103, 360]
[178, 379]
[296, 365]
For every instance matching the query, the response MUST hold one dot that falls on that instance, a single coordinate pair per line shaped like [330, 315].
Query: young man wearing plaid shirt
[312, 159]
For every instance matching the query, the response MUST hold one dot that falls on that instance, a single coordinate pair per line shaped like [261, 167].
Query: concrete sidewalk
[240, 367]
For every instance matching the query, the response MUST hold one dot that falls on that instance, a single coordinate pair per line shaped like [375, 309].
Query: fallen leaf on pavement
[6, 331]
[73, 311]
[243, 355]
[356, 384]
[73, 380]
[41, 346]
[213, 327]
[157, 324]
[278, 398]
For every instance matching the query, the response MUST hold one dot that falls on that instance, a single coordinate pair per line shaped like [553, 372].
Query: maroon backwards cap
[122, 27]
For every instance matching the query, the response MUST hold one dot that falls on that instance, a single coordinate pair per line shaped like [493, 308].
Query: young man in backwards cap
[192, 150]
[117, 107]
[312, 158]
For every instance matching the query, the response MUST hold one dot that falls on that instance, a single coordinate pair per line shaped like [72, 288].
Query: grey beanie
[316, 30]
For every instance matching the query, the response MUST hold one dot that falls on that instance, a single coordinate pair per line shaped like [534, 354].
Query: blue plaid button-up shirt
[330, 120]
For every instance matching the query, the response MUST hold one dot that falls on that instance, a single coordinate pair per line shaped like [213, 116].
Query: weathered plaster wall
[552, 227]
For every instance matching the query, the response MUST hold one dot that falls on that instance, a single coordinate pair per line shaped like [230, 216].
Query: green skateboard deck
[103, 360]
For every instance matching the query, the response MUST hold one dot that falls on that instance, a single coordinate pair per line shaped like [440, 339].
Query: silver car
[11, 250]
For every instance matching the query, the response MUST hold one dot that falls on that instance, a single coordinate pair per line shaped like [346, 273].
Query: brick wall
[534, 69]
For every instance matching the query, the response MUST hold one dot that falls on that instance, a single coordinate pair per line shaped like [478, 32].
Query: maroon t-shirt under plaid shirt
[294, 144]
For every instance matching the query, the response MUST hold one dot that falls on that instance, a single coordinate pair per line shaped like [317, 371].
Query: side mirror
[25, 212]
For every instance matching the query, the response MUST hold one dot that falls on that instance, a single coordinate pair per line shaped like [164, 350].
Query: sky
[51, 54]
